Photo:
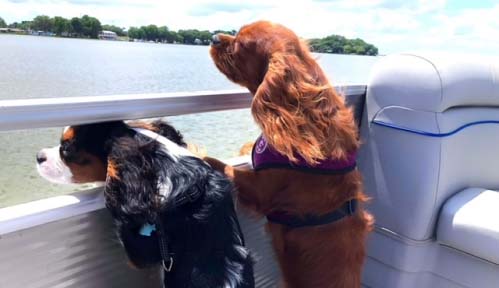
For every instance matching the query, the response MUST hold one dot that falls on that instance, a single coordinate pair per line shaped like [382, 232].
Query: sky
[394, 26]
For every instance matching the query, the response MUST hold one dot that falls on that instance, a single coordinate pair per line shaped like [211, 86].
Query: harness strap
[190, 196]
[293, 221]
[176, 260]
[264, 156]
[166, 256]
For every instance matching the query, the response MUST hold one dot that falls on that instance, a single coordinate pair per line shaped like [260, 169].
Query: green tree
[43, 23]
[2, 23]
[91, 26]
[348, 49]
[205, 37]
[25, 25]
[163, 34]
[61, 25]
[178, 38]
[136, 33]
[341, 45]
[76, 26]
[188, 36]
[371, 50]
[171, 37]
[229, 32]
[151, 32]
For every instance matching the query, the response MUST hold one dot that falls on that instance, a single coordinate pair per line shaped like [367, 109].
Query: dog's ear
[295, 107]
[162, 128]
[132, 182]
[278, 107]
[168, 131]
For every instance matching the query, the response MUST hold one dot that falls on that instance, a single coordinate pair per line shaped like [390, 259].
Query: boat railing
[69, 226]
[56, 112]
[23, 114]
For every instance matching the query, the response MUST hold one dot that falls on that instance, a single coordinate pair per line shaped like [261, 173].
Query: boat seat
[469, 222]
[430, 130]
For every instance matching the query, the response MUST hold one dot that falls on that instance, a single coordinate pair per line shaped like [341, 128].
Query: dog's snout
[41, 157]
[215, 39]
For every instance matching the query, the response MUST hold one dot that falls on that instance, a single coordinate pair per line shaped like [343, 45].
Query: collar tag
[147, 229]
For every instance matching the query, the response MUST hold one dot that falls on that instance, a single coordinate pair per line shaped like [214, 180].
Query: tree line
[84, 27]
[90, 27]
[163, 34]
[340, 45]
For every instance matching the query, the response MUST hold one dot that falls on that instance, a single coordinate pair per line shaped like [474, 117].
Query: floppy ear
[162, 128]
[132, 182]
[299, 112]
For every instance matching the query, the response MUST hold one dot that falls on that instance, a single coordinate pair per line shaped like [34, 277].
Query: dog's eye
[67, 150]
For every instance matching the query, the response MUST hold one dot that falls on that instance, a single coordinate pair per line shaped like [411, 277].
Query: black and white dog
[171, 208]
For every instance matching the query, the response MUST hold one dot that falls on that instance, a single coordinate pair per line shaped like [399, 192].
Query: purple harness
[265, 156]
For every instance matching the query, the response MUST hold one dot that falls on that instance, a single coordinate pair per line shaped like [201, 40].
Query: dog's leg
[254, 189]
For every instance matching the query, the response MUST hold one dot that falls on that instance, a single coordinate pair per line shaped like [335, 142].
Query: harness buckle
[167, 266]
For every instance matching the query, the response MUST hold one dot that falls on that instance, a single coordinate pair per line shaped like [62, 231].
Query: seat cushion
[469, 221]
[433, 82]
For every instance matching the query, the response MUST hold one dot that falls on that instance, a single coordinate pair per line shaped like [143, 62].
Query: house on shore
[108, 35]
[12, 30]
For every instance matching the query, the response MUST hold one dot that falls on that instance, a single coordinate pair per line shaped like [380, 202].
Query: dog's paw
[199, 151]
[215, 164]
[246, 149]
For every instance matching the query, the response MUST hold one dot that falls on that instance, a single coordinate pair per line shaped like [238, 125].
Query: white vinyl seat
[430, 130]
[469, 222]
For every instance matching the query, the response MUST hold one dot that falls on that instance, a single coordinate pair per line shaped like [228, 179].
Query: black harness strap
[166, 256]
[293, 221]
[170, 259]
[190, 196]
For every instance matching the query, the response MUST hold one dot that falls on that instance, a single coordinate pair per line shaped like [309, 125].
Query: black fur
[205, 234]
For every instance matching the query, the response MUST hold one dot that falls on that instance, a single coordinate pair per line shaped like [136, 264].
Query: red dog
[305, 180]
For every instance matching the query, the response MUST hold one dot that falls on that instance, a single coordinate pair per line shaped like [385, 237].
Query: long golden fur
[299, 112]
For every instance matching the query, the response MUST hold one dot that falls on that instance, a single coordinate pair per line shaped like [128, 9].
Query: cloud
[392, 25]
[115, 3]
[98, 3]
[217, 7]
[403, 6]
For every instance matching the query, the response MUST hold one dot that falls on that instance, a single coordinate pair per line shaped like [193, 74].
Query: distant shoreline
[96, 39]
[152, 42]
[87, 27]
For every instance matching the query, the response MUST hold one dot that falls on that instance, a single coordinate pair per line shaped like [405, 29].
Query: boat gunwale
[34, 113]
[56, 112]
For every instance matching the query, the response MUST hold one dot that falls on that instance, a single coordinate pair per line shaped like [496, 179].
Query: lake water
[40, 67]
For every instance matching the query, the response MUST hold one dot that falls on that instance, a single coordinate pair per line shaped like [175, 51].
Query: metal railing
[70, 239]
[56, 112]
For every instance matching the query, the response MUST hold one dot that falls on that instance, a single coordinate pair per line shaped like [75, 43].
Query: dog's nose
[41, 157]
[215, 39]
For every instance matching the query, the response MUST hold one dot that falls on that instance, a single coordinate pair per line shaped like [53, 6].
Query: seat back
[430, 129]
